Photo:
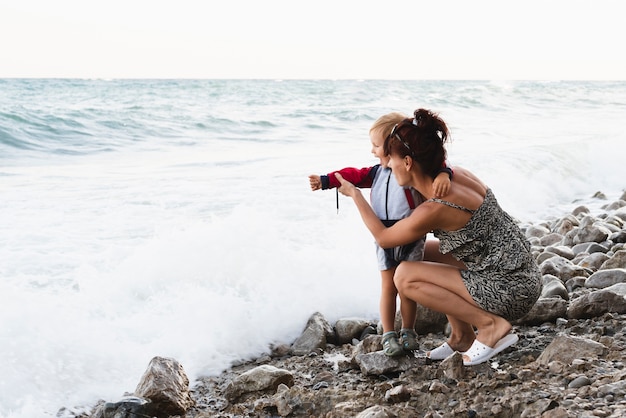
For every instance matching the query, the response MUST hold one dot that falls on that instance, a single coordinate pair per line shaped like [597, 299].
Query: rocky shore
[569, 361]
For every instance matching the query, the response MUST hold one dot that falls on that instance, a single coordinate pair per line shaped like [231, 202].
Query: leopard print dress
[502, 275]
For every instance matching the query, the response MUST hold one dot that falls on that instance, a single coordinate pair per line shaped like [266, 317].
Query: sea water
[143, 218]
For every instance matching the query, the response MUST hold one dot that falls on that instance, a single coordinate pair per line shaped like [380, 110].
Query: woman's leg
[432, 253]
[440, 288]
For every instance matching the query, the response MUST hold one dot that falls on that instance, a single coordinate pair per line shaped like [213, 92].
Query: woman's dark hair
[422, 139]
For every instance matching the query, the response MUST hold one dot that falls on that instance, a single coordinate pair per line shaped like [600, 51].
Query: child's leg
[408, 337]
[408, 310]
[388, 296]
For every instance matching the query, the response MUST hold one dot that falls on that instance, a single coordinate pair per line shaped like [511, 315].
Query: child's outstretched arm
[361, 177]
[315, 181]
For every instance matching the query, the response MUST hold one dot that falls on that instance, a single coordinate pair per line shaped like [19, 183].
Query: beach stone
[617, 388]
[615, 205]
[580, 211]
[543, 256]
[554, 288]
[565, 224]
[537, 231]
[127, 407]
[590, 248]
[605, 278]
[579, 382]
[429, 321]
[617, 261]
[377, 363]
[593, 261]
[369, 344]
[562, 250]
[538, 408]
[611, 299]
[316, 334]
[348, 328]
[545, 310]
[591, 233]
[452, 367]
[575, 283]
[287, 399]
[166, 384]
[566, 348]
[614, 220]
[562, 268]
[376, 411]
[398, 394]
[619, 236]
[261, 378]
[550, 239]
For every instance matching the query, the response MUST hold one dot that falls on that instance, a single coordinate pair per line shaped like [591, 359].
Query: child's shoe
[391, 345]
[408, 339]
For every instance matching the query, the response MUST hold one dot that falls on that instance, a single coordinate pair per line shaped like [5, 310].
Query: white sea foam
[196, 235]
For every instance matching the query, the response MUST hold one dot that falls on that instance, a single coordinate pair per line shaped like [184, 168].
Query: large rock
[565, 349]
[316, 334]
[347, 329]
[545, 310]
[166, 385]
[562, 268]
[605, 278]
[611, 299]
[260, 378]
[377, 363]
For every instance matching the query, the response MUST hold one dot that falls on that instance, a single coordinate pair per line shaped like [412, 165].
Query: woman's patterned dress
[502, 275]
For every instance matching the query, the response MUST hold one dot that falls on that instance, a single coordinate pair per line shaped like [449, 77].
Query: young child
[391, 203]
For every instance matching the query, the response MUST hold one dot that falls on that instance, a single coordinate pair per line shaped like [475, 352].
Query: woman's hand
[346, 188]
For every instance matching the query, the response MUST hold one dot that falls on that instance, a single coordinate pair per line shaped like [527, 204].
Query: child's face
[377, 148]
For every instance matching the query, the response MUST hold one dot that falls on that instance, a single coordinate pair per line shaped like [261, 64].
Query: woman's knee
[403, 276]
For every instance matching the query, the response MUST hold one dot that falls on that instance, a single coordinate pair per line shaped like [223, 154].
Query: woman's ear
[408, 162]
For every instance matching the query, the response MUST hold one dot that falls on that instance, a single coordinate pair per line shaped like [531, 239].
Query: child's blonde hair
[385, 123]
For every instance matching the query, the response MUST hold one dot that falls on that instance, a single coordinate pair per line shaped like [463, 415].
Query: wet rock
[545, 310]
[347, 329]
[617, 261]
[553, 287]
[166, 385]
[316, 334]
[258, 379]
[606, 278]
[611, 299]
[566, 349]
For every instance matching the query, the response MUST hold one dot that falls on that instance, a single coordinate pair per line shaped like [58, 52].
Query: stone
[617, 261]
[545, 310]
[261, 378]
[347, 329]
[566, 349]
[166, 385]
[316, 334]
[610, 299]
[554, 287]
[605, 278]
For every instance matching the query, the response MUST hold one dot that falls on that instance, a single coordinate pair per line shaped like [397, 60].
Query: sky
[322, 39]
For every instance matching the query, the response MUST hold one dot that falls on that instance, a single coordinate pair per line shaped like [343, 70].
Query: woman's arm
[402, 232]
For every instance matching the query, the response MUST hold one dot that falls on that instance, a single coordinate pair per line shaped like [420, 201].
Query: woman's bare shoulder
[465, 177]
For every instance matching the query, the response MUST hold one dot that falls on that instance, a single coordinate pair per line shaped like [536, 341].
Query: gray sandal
[408, 339]
[391, 345]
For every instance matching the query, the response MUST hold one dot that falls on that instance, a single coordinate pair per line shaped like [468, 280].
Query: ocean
[143, 218]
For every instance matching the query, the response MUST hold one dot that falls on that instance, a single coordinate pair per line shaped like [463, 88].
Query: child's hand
[441, 185]
[315, 181]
